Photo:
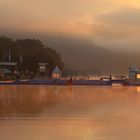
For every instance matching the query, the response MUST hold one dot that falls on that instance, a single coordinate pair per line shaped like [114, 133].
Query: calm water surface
[69, 113]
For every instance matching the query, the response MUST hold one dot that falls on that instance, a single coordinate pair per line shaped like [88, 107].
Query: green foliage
[31, 51]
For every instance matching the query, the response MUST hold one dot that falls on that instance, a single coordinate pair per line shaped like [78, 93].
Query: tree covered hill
[29, 52]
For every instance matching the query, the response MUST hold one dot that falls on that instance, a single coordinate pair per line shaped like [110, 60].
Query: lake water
[69, 113]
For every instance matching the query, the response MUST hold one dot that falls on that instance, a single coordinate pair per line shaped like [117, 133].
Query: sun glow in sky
[107, 22]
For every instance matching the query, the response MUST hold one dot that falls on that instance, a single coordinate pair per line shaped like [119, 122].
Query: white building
[56, 73]
[134, 75]
[42, 68]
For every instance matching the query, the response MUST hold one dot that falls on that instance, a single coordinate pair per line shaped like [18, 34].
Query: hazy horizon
[76, 26]
[108, 23]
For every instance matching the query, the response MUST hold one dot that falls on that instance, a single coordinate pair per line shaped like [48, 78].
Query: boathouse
[56, 73]
[134, 75]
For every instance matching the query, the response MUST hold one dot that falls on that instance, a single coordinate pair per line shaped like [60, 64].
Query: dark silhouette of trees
[28, 53]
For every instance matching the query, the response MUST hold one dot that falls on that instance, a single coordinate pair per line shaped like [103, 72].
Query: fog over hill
[83, 55]
[80, 54]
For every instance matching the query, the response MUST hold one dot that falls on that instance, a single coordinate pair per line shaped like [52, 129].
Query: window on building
[138, 76]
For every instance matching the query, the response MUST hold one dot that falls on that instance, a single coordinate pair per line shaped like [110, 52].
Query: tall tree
[29, 52]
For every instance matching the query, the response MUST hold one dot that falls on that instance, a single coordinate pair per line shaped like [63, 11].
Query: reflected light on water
[69, 113]
[138, 89]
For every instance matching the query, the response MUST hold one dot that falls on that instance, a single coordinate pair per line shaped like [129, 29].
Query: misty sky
[113, 24]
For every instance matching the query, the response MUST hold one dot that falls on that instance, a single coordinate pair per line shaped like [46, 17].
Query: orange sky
[107, 21]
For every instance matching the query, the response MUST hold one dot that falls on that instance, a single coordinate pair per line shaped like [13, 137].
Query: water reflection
[33, 101]
[69, 113]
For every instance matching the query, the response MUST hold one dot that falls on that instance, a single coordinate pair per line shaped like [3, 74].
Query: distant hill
[80, 54]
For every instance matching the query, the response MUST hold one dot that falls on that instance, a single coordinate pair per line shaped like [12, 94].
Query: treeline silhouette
[28, 53]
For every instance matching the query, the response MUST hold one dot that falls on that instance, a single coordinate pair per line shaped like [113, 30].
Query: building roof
[56, 70]
[134, 69]
[44, 64]
[8, 63]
